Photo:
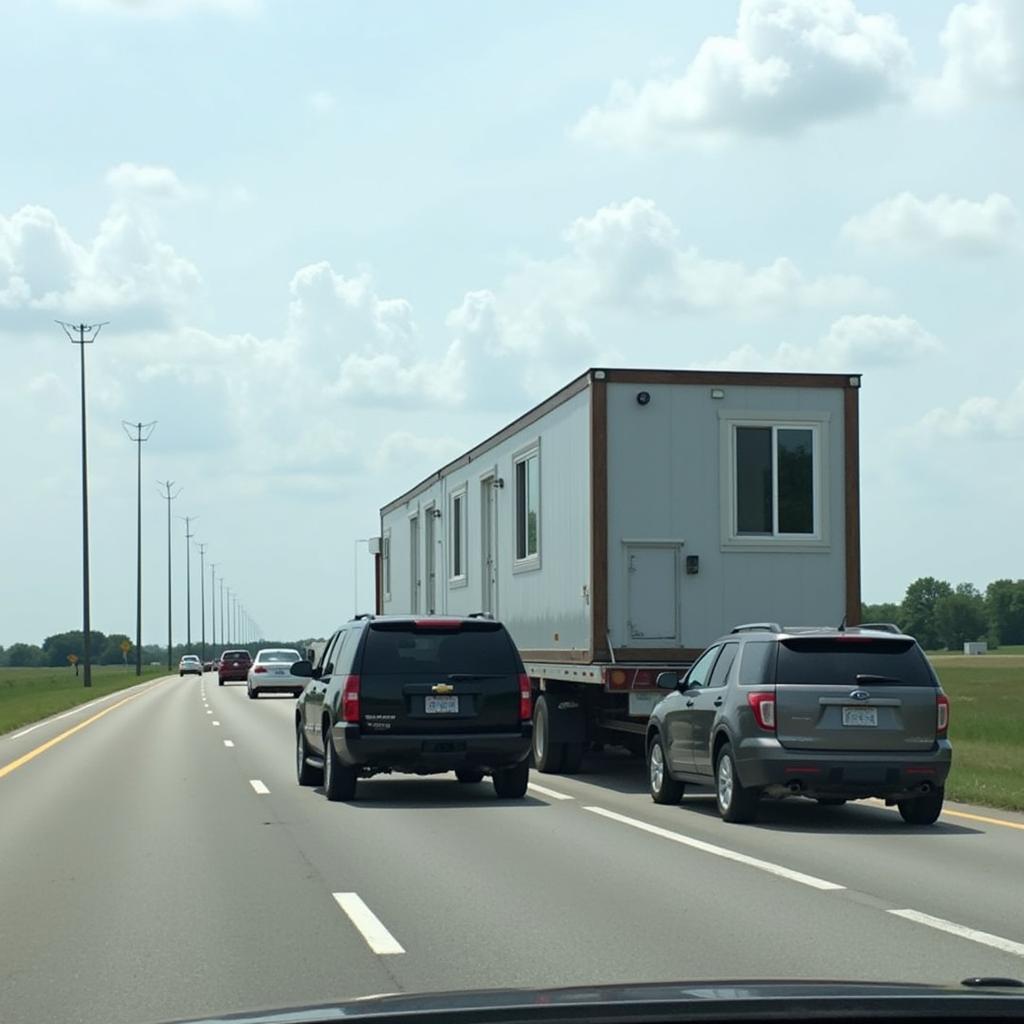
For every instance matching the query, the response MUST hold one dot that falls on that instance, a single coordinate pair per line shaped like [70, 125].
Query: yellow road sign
[126, 646]
[73, 658]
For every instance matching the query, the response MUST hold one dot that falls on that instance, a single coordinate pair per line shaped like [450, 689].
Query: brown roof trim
[851, 473]
[573, 388]
[737, 377]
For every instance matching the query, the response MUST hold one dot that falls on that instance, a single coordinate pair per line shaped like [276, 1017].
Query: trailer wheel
[548, 756]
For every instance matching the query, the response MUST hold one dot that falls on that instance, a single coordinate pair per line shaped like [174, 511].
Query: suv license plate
[441, 705]
[860, 716]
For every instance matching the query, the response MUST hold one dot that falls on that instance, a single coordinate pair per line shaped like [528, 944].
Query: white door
[415, 583]
[652, 573]
[489, 546]
[430, 559]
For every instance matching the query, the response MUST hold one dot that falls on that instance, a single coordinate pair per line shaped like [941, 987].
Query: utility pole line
[168, 484]
[213, 604]
[202, 598]
[86, 336]
[222, 639]
[188, 520]
[142, 434]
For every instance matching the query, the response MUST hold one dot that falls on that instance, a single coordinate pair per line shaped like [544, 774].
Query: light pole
[168, 484]
[142, 433]
[86, 336]
[213, 604]
[231, 632]
[223, 640]
[202, 599]
[188, 520]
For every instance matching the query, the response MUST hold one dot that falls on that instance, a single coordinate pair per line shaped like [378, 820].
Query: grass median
[986, 729]
[30, 694]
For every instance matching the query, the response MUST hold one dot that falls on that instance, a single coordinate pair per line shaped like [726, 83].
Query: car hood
[728, 999]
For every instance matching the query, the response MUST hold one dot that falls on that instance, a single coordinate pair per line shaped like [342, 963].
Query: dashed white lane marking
[378, 938]
[963, 932]
[228, 743]
[209, 712]
[544, 791]
[259, 786]
[215, 723]
[720, 851]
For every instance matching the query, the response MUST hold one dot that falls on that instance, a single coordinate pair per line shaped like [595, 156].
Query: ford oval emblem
[860, 695]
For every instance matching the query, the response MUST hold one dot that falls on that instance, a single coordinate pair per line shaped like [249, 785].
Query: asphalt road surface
[158, 860]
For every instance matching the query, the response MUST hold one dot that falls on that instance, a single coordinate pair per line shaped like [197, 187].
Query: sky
[339, 243]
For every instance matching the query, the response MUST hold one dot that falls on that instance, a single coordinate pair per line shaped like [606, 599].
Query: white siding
[546, 608]
[664, 484]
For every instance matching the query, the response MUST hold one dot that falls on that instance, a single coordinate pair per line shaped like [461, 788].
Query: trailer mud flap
[567, 722]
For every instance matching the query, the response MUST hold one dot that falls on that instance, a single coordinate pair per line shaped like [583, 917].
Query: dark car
[419, 695]
[831, 714]
[233, 667]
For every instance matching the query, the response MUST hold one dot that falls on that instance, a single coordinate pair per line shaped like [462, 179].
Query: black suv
[421, 695]
[832, 714]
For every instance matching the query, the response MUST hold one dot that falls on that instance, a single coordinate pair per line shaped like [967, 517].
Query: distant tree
[56, 648]
[919, 609]
[960, 617]
[25, 656]
[111, 653]
[3, 655]
[887, 611]
[1005, 601]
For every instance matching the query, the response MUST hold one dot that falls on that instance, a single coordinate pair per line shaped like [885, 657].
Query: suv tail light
[525, 699]
[763, 706]
[350, 700]
[941, 714]
[259, 668]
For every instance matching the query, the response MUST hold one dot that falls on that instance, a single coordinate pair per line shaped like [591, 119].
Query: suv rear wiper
[868, 677]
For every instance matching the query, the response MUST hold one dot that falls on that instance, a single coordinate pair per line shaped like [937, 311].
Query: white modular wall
[669, 466]
[545, 602]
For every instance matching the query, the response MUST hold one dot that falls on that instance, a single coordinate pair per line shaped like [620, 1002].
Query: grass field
[986, 727]
[28, 694]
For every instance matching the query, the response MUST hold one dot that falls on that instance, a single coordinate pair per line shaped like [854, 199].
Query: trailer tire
[548, 756]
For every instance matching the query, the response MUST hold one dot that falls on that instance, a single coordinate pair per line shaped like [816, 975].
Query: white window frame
[531, 561]
[385, 557]
[460, 495]
[816, 422]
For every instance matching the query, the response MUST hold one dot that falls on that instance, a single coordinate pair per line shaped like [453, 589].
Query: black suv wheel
[511, 783]
[923, 810]
[339, 779]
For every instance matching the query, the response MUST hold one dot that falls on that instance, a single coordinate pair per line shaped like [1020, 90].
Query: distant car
[190, 665]
[233, 667]
[209, 666]
[829, 714]
[271, 671]
[422, 695]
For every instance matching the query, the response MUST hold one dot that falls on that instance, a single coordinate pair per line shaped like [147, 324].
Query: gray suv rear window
[853, 661]
[483, 649]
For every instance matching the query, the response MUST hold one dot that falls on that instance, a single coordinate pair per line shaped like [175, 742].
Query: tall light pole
[213, 604]
[225, 605]
[141, 434]
[168, 485]
[202, 598]
[86, 336]
[188, 520]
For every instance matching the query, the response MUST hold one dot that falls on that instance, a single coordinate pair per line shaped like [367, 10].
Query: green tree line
[941, 615]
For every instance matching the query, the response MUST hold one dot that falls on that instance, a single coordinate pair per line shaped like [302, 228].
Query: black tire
[304, 771]
[548, 756]
[339, 779]
[572, 758]
[296, 694]
[736, 803]
[923, 810]
[510, 783]
[469, 775]
[220, 682]
[664, 789]
[180, 675]
[253, 694]
[831, 801]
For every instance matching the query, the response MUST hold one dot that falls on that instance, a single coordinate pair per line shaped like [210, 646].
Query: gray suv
[831, 714]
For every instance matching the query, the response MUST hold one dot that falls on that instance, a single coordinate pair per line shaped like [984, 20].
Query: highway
[158, 860]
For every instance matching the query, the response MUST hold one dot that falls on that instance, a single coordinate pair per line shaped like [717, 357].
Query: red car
[233, 667]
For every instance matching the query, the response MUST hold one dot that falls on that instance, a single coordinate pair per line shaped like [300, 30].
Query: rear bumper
[234, 675]
[432, 753]
[765, 764]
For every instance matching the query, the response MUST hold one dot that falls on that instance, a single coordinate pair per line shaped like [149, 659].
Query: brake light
[350, 700]
[763, 706]
[941, 714]
[260, 668]
[437, 623]
[525, 699]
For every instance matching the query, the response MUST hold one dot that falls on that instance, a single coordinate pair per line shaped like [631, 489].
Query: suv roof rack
[362, 615]
[882, 627]
[758, 627]
[480, 615]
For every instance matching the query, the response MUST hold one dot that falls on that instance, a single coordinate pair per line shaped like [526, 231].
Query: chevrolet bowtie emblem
[442, 688]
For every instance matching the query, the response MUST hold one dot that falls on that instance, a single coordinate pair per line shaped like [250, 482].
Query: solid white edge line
[962, 932]
[544, 791]
[228, 743]
[720, 851]
[259, 786]
[377, 937]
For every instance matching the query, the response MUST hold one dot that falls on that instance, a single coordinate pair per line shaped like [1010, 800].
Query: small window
[775, 481]
[457, 536]
[701, 669]
[527, 477]
[756, 663]
[720, 672]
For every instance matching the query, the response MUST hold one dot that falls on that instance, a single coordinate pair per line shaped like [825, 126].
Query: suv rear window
[467, 648]
[236, 655]
[852, 661]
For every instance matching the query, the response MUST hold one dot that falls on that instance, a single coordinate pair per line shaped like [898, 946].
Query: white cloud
[790, 64]
[961, 225]
[164, 8]
[978, 418]
[321, 101]
[984, 55]
[852, 344]
[146, 181]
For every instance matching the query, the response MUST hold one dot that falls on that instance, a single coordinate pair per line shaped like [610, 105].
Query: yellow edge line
[969, 817]
[36, 751]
